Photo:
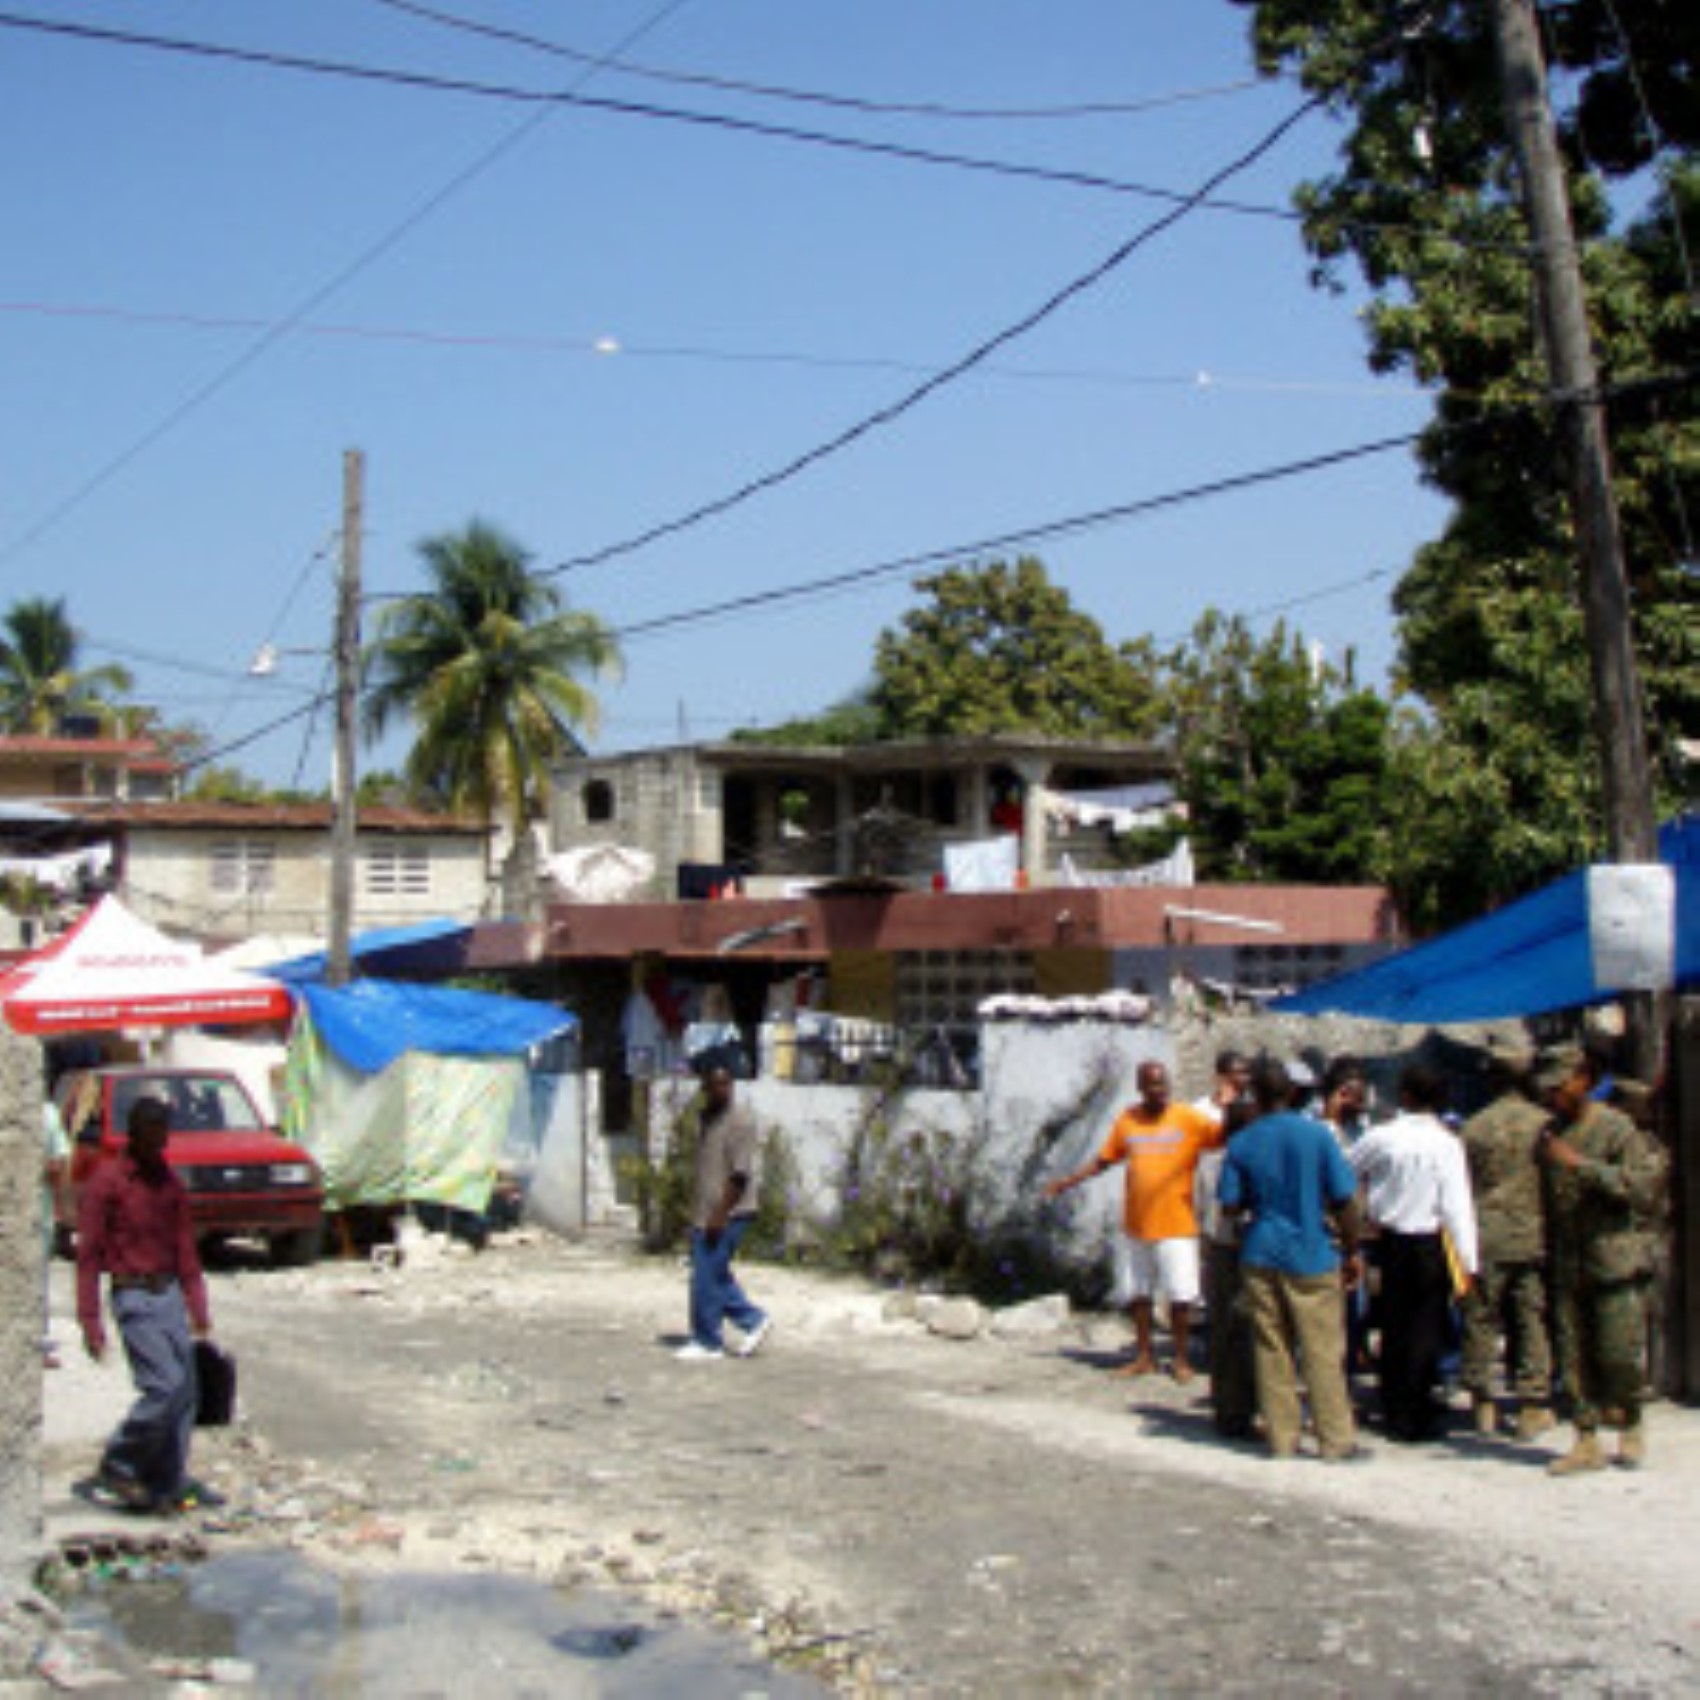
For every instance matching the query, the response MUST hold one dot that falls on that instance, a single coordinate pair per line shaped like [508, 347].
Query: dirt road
[917, 1514]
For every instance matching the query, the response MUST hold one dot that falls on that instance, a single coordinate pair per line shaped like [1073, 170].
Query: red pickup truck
[242, 1178]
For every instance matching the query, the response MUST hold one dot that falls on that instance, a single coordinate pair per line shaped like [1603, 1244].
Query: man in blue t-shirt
[1286, 1175]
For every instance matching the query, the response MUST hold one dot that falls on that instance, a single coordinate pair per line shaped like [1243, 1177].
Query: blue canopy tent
[1539, 954]
[372, 1023]
[413, 1094]
[430, 948]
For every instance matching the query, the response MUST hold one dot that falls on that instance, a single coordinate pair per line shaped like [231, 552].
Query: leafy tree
[1498, 778]
[384, 789]
[1284, 758]
[40, 681]
[227, 785]
[852, 720]
[489, 667]
[1001, 649]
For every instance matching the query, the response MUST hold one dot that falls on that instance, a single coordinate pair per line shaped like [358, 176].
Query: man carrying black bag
[133, 1227]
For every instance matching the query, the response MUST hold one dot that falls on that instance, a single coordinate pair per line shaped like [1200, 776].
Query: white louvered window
[243, 866]
[398, 870]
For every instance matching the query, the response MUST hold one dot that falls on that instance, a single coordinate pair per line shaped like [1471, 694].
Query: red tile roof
[274, 817]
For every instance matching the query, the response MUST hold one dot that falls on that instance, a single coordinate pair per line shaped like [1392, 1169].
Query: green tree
[1283, 756]
[227, 785]
[1001, 649]
[1498, 776]
[490, 668]
[40, 680]
[852, 720]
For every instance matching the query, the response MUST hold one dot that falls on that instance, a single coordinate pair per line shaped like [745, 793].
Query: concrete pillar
[844, 824]
[1033, 773]
[976, 814]
[21, 1272]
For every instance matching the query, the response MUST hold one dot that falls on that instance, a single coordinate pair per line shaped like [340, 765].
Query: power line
[365, 258]
[976, 356]
[856, 577]
[1075, 524]
[312, 706]
[815, 97]
[607, 348]
[154, 657]
[555, 98]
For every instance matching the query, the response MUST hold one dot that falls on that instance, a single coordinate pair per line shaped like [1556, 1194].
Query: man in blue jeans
[133, 1227]
[728, 1176]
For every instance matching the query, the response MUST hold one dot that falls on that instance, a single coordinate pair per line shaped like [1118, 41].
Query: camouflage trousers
[1233, 1373]
[1600, 1331]
[1511, 1297]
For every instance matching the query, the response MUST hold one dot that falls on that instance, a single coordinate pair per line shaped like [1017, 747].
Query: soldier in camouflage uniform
[1605, 1179]
[1510, 1289]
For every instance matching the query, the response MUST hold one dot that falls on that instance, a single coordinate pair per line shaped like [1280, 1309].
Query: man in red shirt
[133, 1227]
[1160, 1142]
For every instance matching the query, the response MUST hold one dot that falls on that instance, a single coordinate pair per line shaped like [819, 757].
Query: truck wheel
[299, 1248]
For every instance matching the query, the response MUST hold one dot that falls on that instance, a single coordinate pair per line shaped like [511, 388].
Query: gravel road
[900, 1512]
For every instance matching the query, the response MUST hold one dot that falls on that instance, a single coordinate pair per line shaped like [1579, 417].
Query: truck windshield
[198, 1103]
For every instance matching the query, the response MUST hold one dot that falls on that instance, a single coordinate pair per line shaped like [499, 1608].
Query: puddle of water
[311, 1633]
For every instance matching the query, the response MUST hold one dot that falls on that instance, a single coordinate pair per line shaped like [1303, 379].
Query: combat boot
[1532, 1422]
[1583, 1456]
[1487, 1417]
[1632, 1447]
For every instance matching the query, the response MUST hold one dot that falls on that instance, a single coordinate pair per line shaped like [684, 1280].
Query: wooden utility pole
[1573, 385]
[347, 701]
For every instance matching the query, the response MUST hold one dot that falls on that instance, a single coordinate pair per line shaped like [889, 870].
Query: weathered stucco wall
[168, 880]
[20, 1308]
[1048, 1095]
[1384, 1048]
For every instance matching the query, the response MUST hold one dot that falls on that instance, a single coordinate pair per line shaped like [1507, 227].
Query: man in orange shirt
[1160, 1142]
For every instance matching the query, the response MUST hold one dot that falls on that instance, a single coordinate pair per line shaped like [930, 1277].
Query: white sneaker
[756, 1338]
[696, 1353]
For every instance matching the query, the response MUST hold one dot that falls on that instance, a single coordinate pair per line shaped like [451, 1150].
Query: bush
[663, 1190]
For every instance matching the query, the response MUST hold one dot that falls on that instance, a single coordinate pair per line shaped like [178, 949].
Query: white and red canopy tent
[113, 970]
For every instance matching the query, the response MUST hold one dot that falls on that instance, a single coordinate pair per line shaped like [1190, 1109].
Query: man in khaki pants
[1285, 1173]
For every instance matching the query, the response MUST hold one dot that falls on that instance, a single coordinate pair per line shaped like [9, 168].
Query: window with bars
[243, 866]
[945, 988]
[398, 870]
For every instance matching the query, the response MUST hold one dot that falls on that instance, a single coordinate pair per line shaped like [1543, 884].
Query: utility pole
[347, 699]
[1573, 386]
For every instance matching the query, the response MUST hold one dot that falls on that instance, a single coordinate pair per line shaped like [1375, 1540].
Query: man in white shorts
[1160, 1143]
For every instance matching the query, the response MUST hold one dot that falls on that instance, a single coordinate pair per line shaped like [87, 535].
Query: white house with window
[233, 870]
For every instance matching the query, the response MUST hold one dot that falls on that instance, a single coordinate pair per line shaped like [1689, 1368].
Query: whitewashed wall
[168, 881]
[1048, 1097]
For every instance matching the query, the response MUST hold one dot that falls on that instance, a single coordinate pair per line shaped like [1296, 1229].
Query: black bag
[215, 1378]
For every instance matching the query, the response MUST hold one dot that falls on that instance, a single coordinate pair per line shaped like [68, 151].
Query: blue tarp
[370, 1023]
[429, 946]
[1529, 958]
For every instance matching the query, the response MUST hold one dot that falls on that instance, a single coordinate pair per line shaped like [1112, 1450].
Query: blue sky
[218, 277]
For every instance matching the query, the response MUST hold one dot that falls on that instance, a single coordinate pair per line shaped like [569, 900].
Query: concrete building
[773, 815]
[228, 871]
[64, 766]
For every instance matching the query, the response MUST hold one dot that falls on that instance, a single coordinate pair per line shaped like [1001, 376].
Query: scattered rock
[1035, 1319]
[900, 1307]
[956, 1319]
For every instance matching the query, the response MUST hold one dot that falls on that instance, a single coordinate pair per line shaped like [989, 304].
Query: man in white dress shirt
[1416, 1188]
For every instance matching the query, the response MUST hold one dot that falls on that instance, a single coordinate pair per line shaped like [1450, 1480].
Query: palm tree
[40, 682]
[488, 666]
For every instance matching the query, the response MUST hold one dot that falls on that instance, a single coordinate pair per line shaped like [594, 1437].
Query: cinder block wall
[20, 1309]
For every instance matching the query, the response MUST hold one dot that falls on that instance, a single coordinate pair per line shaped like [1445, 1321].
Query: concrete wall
[21, 1253]
[168, 881]
[664, 801]
[1048, 1097]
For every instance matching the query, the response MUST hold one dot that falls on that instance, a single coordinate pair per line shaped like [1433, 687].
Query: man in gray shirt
[723, 1204]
